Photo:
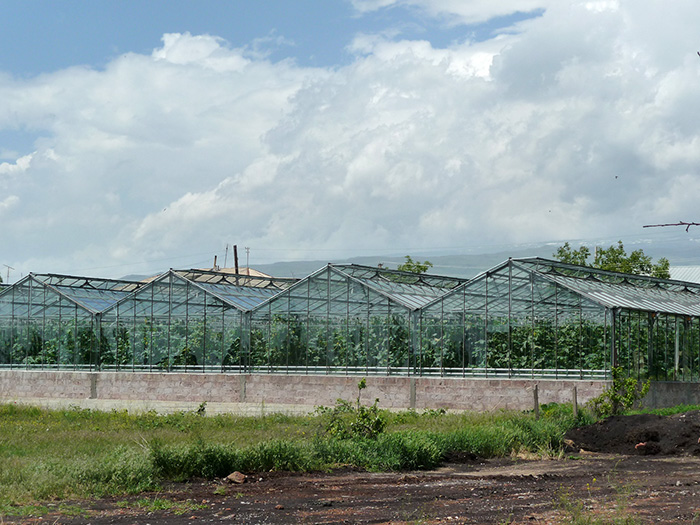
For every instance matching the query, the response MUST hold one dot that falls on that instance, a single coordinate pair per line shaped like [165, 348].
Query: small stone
[236, 477]
[279, 507]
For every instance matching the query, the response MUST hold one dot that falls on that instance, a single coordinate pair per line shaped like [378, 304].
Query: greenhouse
[182, 319]
[51, 321]
[345, 319]
[540, 318]
[523, 318]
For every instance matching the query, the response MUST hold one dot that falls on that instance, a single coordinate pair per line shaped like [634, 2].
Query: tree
[414, 266]
[615, 259]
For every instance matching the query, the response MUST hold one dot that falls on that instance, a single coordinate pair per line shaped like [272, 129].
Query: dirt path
[657, 489]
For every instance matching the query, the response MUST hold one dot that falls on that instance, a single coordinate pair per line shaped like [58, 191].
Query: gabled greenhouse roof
[619, 290]
[241, 292]
[411, 290]
[403, 289]
[593, 286]
[91, 294]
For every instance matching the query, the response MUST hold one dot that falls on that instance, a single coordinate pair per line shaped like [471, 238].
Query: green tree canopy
[615, 259]
[414, 266]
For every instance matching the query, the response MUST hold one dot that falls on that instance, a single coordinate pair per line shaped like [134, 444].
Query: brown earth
[612, 478]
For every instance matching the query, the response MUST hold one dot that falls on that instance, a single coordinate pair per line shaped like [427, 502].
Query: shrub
[620, 396]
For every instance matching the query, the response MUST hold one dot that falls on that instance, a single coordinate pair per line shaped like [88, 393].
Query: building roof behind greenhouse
[227, 277]
[609, 289]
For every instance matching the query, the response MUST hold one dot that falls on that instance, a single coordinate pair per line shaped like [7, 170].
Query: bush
[620, 396]
[345, 421]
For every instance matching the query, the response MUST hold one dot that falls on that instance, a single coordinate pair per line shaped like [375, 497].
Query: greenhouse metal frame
[523, 318]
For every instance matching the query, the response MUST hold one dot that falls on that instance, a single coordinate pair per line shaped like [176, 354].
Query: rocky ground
[642, 468]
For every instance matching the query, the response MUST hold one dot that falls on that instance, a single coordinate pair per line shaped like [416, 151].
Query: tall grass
[56, 454]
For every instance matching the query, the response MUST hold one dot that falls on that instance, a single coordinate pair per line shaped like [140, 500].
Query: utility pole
[247, 260]
[8, 272]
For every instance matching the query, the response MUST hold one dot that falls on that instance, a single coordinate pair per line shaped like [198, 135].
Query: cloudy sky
[134, 139]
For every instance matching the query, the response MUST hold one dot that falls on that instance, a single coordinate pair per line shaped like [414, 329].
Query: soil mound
[642, 434]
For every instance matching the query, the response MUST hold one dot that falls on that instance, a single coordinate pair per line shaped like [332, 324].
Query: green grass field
[48, 455]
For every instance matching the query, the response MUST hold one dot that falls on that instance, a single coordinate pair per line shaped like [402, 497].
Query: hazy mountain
[680, 247]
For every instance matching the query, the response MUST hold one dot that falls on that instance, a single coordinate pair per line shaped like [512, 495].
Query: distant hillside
[465, 266]
[680, 247]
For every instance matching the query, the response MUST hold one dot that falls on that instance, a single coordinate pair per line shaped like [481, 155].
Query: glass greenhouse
[524, 318]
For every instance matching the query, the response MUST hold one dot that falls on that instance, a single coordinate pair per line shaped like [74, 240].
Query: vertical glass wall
[331, 323]
[177, 324]
[512, 322]
[49, 321]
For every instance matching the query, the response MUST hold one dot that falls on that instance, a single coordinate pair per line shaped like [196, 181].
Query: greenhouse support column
[676, 350]
[510, 317]
[245, 339]
[347, 326]
[204, 334]
[556, 331]
[98, 331]
[170, 315]
[329, 345]
[442, 338]
[387, 333]
[486, 324]
[222, 350]
[418, 356]
[60, 334]
[367, 337]
[29, 317]
[414, 325]
[613, 336]
[187, 322]
[308, 322]
[13, 329]
[42, 350]
[580, 339]
[532, 325]
[650, 345]
[464, 334]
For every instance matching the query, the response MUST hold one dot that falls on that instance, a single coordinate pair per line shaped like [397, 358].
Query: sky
[141, 136]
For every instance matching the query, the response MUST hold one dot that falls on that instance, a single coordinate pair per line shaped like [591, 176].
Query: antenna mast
[8, 272]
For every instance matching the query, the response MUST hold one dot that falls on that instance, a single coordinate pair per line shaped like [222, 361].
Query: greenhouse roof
[91, 294]
[336, 288]
[411, 290]
[619, 290]
[512, 279]
[242, 292]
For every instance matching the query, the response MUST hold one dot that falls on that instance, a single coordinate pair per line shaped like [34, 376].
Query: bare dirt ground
[639, 467]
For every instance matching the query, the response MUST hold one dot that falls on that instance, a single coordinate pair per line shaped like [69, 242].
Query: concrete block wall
[291, 390]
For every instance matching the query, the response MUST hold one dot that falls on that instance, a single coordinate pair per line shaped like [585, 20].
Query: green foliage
[409, 265]
[345, 421]
[568, 255]
[620, 396]
[615, 259]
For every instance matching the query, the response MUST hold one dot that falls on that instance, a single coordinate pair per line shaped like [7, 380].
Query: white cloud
[578, 125]
[19, 166]
[8, 203]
